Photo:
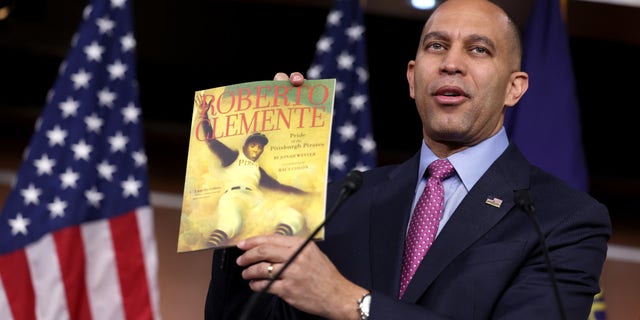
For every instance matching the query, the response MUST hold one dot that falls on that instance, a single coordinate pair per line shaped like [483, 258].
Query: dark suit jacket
[487, 262]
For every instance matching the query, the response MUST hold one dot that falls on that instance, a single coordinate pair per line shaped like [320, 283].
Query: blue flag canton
[86, 159]
[341, 54]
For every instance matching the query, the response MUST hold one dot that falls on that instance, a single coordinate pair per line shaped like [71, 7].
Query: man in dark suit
[487, 261]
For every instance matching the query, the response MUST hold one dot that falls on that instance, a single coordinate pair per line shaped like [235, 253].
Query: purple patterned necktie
[425, 220]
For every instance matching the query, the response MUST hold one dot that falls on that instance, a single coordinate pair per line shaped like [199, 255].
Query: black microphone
[524, 202]
[352, 183]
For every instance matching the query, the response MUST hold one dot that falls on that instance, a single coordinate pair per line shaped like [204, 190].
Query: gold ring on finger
[270, 271]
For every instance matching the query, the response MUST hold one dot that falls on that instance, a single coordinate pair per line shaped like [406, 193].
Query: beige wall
[183, 277]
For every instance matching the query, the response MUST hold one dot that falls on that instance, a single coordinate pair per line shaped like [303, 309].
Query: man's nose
[454, 61]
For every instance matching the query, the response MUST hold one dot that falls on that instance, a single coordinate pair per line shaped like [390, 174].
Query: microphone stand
[352, 183]
[524, 202]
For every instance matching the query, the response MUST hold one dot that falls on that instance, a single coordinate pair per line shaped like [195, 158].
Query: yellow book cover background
[257, 162]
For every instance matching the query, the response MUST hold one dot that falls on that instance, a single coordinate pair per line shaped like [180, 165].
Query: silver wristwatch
[364, 305]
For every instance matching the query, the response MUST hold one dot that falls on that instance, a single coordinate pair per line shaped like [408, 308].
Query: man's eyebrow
[434, 35]
[483, 39]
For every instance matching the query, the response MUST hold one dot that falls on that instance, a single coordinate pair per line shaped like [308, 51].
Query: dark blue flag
[341, 54]
[76, 231]
[546, 122]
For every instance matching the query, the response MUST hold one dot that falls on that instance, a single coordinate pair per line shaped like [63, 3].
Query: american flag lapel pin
[493, 201]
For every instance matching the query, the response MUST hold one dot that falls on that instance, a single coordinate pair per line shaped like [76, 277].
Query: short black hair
[257, 137]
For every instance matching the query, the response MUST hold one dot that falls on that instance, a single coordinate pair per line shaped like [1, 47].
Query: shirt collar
[470, 163]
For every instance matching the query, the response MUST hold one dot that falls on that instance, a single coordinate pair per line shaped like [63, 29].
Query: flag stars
[314, 72]
[345, 61]
[130, 187]
[81, 79]
[118, 3]
[367, 144]
[81, 150]
[74, 39]
[56, 208]
[106, 97]
[38, 124]
[87, 11]
[117, 70]
[334, 17]
[340, 86]
[140, 158]
[106, 170]
[93, 197]
[361, 166]
[324, 44]
[363, 74]
[69, 107]
[128, 42]
[56, 136]
[93, 122]
[131, 113]
[31, 195]
[62, 67]
[44, 165]
[358, 102]
[50, 94]
[347, 131]
[338, 160]
[118, 142]
[68, 179]
[71, 177]
[354, 32]
[105, 25]
[19, 225]
[337, 51]
[94, 51]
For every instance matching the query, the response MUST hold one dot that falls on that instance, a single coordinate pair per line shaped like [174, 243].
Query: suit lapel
[390, 209]
[473, 218]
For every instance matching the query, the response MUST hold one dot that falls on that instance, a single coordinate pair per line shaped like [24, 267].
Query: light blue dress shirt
[470, 165]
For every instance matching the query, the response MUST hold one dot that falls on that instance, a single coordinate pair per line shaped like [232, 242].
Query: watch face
[364, 305]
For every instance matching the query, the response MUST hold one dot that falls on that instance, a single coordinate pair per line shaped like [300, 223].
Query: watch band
[364, 304]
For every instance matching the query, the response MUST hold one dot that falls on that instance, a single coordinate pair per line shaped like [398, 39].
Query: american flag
[341, 54]
[76, 231]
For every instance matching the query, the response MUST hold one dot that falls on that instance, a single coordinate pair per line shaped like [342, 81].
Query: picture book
[257, 162]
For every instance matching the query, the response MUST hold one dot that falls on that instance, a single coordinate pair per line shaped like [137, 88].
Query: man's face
[253, 150]
[464, 74]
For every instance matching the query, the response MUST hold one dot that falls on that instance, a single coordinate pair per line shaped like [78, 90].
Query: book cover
[257, 162]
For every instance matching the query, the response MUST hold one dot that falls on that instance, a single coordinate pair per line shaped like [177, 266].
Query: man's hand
[311, 283]
[296, 78]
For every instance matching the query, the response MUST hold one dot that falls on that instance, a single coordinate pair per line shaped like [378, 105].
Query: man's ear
[410, 69]
[517, 87]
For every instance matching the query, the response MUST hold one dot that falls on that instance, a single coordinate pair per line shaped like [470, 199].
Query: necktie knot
[441, 169]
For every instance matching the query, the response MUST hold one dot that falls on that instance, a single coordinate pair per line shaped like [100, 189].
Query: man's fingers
[262, 270]
[271, 248]
[275, 239]
[281, 76]
[295, 79]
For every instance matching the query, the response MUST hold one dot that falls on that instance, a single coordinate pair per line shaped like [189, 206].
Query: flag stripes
[70, 253]
[102, 293]
[76, 230]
